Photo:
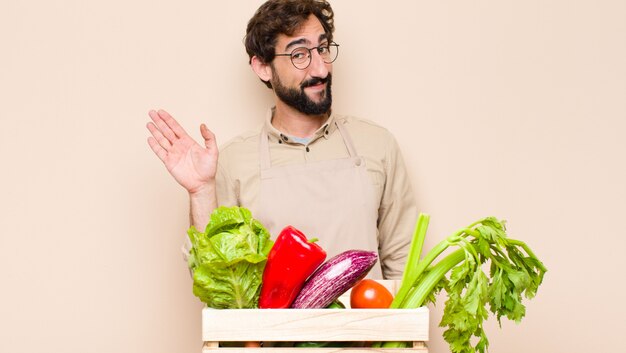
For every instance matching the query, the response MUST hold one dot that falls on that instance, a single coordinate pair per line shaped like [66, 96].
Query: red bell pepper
[290, 262]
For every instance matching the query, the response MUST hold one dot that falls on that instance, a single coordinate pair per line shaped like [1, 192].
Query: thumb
[208, 136]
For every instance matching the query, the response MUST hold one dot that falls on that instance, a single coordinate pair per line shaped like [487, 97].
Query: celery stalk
[435, 274]
[411, 274]
[405, 287]
[416, 244]
[515, 272]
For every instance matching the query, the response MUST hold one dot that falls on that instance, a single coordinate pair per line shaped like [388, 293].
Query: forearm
[201, 204]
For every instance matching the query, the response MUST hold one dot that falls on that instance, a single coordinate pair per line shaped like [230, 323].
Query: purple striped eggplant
[334, 277]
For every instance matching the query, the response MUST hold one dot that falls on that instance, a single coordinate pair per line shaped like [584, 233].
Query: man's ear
[263, 70]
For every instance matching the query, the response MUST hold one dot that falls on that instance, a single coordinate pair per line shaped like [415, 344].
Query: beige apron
[330, 200]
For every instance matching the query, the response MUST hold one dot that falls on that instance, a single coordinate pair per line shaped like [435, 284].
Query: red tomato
[367, 294]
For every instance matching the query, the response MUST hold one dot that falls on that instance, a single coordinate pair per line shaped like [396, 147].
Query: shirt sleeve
[397, 214]
[227, 193]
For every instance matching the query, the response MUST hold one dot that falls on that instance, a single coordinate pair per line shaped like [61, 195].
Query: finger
[157, 149]
[208, 136]
[172, 123]
[158, 136]
[163, 127]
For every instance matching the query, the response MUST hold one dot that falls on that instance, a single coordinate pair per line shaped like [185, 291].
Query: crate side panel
[315, 325]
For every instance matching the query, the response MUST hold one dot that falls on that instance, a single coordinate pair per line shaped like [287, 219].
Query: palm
[191, 164]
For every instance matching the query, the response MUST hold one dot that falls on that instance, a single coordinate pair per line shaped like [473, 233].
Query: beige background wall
[509, 108]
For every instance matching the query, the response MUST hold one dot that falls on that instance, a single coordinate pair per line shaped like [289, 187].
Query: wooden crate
[301, 325]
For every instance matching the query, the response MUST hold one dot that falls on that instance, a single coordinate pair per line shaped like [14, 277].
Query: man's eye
[323, 50]
[299, 55]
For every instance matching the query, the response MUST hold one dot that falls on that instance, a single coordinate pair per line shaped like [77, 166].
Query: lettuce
[228, 259]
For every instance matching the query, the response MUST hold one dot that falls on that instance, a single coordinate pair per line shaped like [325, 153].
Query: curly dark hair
[276, 17]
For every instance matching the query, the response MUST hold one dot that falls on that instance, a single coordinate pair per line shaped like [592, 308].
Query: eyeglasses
[301, 57]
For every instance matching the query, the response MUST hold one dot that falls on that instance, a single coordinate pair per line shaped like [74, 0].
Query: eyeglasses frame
[317, 48]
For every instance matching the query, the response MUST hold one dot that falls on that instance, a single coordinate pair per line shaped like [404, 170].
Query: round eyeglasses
[301, 57]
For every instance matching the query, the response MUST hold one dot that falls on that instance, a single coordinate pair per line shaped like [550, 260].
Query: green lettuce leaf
[227, 259]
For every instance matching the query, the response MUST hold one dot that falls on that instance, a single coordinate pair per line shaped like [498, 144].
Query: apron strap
[346, 139]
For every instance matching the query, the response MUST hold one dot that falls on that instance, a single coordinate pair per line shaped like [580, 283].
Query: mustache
[314, 81]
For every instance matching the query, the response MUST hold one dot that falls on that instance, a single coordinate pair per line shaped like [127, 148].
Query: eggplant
[334, 277]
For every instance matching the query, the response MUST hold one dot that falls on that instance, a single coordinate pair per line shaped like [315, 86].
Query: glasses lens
[329, 53]
[300, 58]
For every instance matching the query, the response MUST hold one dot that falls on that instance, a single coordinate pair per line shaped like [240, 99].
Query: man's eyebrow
[322, 37]
[297, 41]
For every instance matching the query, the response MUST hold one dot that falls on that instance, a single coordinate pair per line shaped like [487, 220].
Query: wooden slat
[315, 324]
[208, 346]
[315, 350]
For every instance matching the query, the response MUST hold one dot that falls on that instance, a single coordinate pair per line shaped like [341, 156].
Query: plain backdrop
[515, 109]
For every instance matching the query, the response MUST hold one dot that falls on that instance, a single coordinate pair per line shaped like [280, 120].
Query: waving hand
[192, 165]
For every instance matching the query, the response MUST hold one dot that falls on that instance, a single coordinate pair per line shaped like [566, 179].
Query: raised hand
[192, 165]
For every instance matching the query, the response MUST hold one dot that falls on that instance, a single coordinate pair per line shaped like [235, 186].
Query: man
[337, 178]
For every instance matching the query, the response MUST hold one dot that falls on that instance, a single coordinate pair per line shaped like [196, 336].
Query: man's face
[308, 90]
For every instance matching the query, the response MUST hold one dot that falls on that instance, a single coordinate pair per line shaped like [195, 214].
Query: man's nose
[318, 68]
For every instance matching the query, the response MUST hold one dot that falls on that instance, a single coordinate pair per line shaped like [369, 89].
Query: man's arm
[192, 165]
[201, 205]
[397, 214]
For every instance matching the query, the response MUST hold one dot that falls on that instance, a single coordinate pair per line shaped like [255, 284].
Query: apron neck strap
[347, 140]
[264, 148]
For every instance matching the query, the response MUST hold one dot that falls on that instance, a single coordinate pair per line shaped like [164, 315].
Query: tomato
[367, 294]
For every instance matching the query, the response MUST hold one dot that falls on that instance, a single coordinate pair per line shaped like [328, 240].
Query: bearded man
[338, 178]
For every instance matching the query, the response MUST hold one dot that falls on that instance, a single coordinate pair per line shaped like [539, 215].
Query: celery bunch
[514, 272]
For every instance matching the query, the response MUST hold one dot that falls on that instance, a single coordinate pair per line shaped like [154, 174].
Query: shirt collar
[325, 130]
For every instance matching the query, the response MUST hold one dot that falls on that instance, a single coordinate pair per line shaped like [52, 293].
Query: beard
[297, 98]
